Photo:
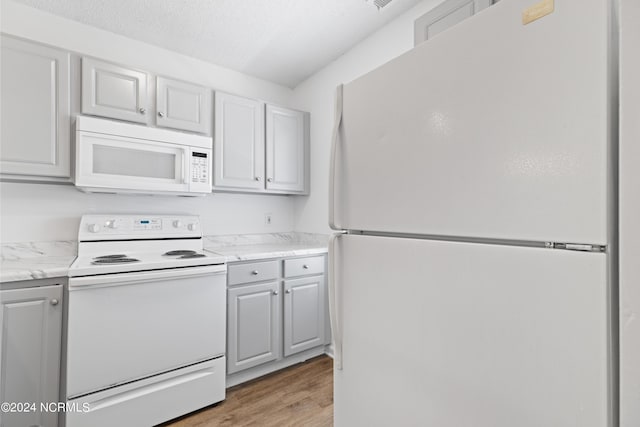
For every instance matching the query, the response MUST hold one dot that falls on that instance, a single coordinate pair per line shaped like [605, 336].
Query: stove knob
[112, 223]
[94, 228]
[177, 223]
[192, 227]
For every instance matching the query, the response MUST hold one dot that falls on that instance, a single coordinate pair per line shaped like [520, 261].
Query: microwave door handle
[185, 165]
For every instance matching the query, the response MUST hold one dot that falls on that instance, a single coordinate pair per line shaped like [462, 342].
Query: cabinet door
[239, 143]
[109, 90]
[286, 146]
[183, 106]
[254, 325]
[35, 111]
[30, 328]
[304, 314]
[446, 15]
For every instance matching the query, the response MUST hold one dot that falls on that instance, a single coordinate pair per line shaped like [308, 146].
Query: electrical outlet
[267, 219]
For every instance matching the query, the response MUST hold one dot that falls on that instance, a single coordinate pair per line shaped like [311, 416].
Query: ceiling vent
[381, 3]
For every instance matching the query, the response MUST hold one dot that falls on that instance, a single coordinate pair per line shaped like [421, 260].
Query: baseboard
[328, 350]
[267, 368]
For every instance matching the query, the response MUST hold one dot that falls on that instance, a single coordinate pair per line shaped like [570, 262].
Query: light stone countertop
[36, 260]
[41, 260]
[248, 247]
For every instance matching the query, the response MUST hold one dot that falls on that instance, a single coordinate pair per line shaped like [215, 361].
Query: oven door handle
[105, 280]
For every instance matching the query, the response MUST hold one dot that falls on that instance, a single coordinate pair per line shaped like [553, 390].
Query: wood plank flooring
[301, 395]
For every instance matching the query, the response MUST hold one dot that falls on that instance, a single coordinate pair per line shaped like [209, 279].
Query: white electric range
[146, 321]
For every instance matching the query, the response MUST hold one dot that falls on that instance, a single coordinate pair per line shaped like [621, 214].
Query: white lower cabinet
[304, 314]
[276, 309]
[30, 336]
[253, 325]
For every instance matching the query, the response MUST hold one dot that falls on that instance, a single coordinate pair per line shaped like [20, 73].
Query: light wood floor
[301, 395]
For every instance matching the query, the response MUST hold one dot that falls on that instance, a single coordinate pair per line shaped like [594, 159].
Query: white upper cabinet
[238, 143]
[259, 149]
[286, 146]
[113, 91]
[35, 111]
[182, 105]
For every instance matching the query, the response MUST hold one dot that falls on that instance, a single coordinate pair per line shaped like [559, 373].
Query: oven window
[129, 162]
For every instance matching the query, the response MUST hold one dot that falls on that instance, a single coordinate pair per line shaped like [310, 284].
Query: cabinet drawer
[304, 266]
[253, 272]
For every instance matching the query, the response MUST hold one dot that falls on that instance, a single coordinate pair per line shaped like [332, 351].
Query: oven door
[114, 162]
[124, 327]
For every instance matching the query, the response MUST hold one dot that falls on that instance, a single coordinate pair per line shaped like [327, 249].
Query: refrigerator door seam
[583, 247]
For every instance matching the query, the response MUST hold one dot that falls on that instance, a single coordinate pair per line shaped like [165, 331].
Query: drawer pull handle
[275, 292]
[306, 267]
[288, 291]
[254, 272]
[54, 302]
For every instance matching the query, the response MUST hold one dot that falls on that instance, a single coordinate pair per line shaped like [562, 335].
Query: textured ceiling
[283, 41]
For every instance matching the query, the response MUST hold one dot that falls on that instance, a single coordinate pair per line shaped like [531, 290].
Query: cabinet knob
[269, 179]
[254, 272]
[257, 178]
[54, 302]
[288, 291]
[143, 110]
[160, 114]
[275, 292]
[305, 266]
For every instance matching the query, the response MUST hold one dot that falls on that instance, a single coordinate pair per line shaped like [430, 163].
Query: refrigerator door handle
[332, 166]
[334, 302]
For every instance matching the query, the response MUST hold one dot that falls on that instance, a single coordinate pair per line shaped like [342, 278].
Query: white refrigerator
[472, 277]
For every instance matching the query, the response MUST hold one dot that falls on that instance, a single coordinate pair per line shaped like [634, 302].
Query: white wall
[36, 212]
[629, 213]
[34, 24]
[316, 95]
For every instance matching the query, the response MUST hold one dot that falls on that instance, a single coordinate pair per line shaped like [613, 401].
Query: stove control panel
[121, 227]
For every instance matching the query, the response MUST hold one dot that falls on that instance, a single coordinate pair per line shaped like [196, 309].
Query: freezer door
[492, 129]
[461, 334]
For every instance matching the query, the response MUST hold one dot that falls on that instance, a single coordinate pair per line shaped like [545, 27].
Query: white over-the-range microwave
[117, 157]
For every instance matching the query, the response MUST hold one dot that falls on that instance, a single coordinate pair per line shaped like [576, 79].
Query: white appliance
[117, 157]
[146, 322]
[472, 180]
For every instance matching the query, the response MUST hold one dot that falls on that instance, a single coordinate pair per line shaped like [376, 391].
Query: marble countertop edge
[42, 260]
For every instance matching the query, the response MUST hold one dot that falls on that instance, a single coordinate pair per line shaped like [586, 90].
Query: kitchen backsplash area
[50, 212]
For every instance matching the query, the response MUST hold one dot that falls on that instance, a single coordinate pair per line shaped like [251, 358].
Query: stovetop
[139, 261]
[132, 243]
[123, 259]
